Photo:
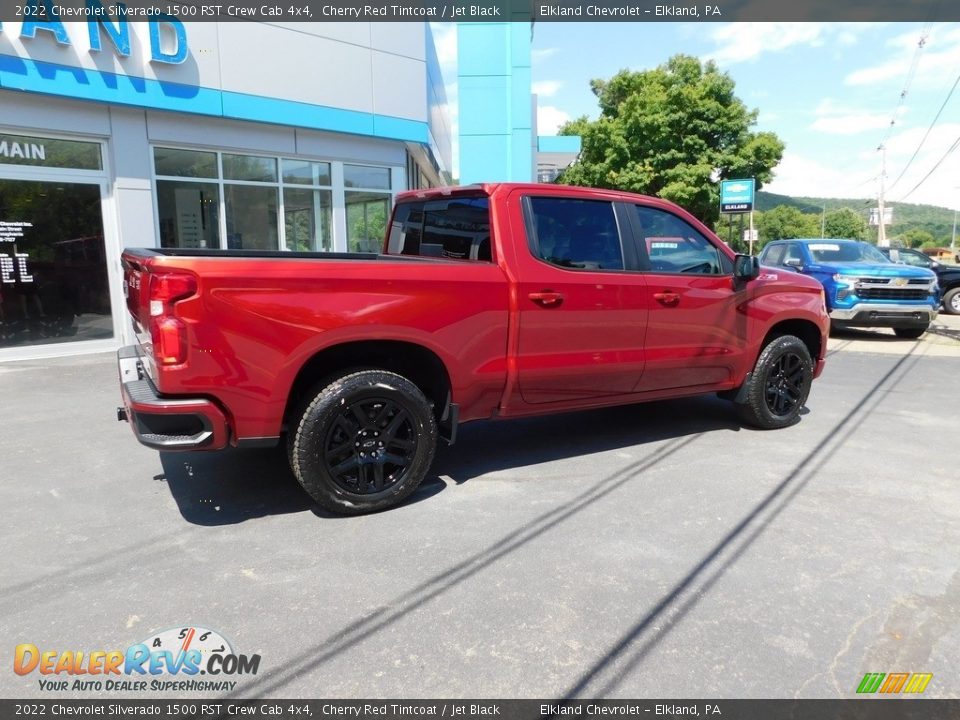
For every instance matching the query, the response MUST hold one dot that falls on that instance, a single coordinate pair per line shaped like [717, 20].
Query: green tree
[674, 131]
[915, 238]
[785, 221]
[845, 223]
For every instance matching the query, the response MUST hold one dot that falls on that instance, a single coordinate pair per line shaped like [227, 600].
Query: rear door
[695, 329]
[581, 303]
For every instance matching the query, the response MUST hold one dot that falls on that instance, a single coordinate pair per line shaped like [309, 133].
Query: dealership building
[228, 135]
[279, 136]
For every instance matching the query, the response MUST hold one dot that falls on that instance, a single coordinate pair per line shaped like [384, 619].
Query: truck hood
[872, 270]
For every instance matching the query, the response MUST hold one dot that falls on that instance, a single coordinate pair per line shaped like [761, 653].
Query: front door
[695, 332]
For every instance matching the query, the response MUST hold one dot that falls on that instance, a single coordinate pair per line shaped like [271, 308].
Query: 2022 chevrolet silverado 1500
[488, 301]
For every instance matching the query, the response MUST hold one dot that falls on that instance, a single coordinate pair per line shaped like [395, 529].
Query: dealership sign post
[736, 198]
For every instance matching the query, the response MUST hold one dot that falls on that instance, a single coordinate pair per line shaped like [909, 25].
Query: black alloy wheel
[784, 386]
[776, 391]
[370, 446]
[362, 442]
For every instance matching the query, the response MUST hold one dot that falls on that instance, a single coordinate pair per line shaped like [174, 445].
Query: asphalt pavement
[656, 550]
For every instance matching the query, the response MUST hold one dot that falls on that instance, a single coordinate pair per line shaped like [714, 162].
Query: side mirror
[746, 267]
[794, 263]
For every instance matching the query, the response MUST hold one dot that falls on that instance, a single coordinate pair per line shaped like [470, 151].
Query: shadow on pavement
[231, 486]
[944, 331]
[235, 485]
[530, 441]
[676, 424]
[873, 334]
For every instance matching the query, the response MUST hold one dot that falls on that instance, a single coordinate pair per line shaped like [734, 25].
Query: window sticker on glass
[824, 246]
[659, 244]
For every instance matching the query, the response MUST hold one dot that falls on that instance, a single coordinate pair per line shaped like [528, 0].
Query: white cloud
[801, 176]
[940, 56]
[943, 186]
[850, 124]
[837, 119]
[739, 42]
[743, 41]
[542, 54]
[549, 119]
[546, 88]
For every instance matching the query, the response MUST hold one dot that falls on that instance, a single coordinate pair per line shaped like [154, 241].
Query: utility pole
[881, 228]
[953, 238]
[823, 220]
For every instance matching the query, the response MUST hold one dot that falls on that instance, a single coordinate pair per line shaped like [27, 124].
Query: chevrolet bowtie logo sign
[894, 683]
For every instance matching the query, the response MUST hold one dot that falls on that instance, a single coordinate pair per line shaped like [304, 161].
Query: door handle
[667, 298]
[547, 298]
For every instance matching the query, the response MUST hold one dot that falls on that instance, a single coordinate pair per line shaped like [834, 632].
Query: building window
[363, 176]
[251, 213]
[307, 205]
[185, 163]
[189, 214]
[50, 153]
[368, 209]
[199, 190]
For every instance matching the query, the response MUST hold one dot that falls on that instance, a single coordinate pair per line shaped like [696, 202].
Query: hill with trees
[916, 225]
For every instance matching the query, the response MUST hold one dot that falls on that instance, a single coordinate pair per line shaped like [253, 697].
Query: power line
[956, 144]
[926, 134]
[914, 63]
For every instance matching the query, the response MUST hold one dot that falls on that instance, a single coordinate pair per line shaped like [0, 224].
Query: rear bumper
[165, 423]
[884, 315]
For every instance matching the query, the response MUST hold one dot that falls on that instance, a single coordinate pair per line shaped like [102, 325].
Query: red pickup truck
[488, 301]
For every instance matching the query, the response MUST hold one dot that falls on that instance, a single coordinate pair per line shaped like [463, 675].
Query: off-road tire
[778, 387]
[951, 301]
[330, 440]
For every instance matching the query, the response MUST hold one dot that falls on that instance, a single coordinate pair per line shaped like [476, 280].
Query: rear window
[457, 228]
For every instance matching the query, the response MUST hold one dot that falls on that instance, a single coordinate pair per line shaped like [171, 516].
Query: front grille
[892, 294]
[888, 281]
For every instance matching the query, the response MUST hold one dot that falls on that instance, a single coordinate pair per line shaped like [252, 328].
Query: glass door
[54, 276]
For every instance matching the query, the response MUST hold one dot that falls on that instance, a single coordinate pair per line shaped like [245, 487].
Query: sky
[833, 93]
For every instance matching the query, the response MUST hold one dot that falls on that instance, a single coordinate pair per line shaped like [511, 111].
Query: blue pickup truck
[862, 287]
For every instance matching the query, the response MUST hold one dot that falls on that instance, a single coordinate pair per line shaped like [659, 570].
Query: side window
[773, 255]
[674, 246]
[456, 228]
[793, 253]
[578, 234]
[912, 258]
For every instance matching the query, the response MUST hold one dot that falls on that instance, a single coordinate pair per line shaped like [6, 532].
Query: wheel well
[807, 331]
[419, 365]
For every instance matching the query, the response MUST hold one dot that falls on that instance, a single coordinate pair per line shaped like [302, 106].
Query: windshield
[848, 252]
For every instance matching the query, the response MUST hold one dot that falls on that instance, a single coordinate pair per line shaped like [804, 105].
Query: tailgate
[136, 290]
[136, 293]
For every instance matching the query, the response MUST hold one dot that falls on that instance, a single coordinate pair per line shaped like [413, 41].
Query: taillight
[168, 332]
